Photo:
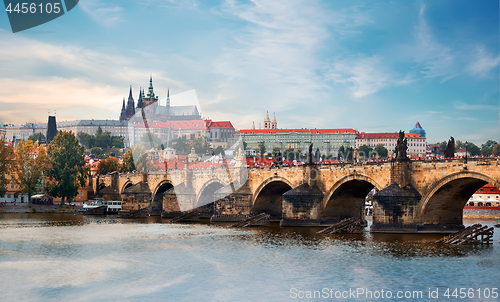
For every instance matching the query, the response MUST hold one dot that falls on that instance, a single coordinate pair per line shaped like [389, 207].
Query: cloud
[483, 61]
[434, 59]
[463, 106]
[365, 75]
[103, 12]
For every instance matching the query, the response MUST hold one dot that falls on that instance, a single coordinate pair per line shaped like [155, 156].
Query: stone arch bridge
[413, 196]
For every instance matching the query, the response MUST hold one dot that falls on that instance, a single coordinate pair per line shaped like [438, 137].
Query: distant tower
[274, 124]
[139, 101]
[51, 128]
[168, 102]
[267, 121]
[130, 109]
[418, 130]
[123, 114]
[253, 125]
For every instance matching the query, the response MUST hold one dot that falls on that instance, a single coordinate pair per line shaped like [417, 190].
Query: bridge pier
[302, 206]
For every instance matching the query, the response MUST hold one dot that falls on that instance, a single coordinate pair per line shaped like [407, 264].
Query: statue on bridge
[401, 146]
[450, 148]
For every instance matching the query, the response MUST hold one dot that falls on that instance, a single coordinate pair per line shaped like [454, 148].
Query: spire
[253, 125]
[267, 116]
[274, 124]
[123, 112]
[139, 101]
[267, 121]
[130, 93]
[151, 94]
[274, 116]
[168, 102]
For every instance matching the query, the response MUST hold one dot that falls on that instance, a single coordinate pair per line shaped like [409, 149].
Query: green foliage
[150, 140]
[200, 146]
[7, 164]
[98, 152]
[341, 153]
[219, 150]
[262, 149]
[245, 145]
[442, 147]
[472, 149]
[37, 137]
[128, 162]
[364, 151]
[381, 151]
[487, 148]
[289, 154]
[103, 140]
[180, 146]
[67, 171]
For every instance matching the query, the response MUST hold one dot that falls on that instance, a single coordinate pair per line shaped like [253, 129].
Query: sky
[375, 66]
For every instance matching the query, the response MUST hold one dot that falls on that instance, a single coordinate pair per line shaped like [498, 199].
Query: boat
[497, 225]
[101, 207]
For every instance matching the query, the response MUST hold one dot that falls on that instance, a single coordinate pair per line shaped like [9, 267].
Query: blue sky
[376, 66]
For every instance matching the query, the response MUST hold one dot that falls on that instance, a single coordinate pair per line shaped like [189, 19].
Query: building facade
[327, 140]
[417, 145]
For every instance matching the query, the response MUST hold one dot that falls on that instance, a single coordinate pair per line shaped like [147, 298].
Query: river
[51, 257]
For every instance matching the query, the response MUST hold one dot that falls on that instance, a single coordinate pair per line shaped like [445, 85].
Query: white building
[417, 145]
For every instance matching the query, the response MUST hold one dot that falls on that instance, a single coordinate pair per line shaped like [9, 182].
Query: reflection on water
[73, 257]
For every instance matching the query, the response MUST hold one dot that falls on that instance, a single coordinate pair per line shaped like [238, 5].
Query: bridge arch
[126, 185]
[445, 199]
[206, 194]
[346, 198]
[157, 196]
[268, 197]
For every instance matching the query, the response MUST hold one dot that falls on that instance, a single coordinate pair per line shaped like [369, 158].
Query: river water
[81, 258]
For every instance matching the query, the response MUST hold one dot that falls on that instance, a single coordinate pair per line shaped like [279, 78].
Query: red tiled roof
[274, 131]
[393, 135]
[488, 189]
[225, 124]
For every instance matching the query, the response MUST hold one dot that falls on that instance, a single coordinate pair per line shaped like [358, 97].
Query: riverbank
[39, 208]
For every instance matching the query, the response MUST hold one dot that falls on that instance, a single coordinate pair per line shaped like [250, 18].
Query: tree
[219, 150]
[496, 150]
[66, 169]
[37, 137]
[341, 153]
[180, 146]
[262, 149]
[200, 146]
[289, 154]
[97, 152]
[472, 149]
[7, 164]
[487, 147]
[128, 162]
[110, 164]
[364, 151]
[442, 147]
[245, 145]
[381, 151]
[30, 166]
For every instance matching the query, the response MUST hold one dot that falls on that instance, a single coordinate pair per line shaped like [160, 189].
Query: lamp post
[466, 151]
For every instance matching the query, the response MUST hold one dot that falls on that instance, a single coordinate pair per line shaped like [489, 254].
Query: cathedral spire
[130, 93]
[139, 101]
[123, 112]
[151, 94]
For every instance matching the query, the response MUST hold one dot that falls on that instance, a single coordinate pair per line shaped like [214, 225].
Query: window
[12, 186]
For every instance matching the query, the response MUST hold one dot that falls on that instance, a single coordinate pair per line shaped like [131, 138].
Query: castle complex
[153, 110]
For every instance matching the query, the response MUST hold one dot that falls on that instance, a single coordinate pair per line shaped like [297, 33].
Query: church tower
[168, 102]
[150, 97]
[267, 121]
[123, 115]
[130, 110]
[274, 124]
[139, 101]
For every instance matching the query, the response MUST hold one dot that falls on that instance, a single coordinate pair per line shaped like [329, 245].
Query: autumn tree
[7, 163]
[66, 169]
[110, 164]
[30, 166]
[128, 162]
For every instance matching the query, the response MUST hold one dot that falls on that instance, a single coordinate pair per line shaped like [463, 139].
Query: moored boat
[101, 207]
